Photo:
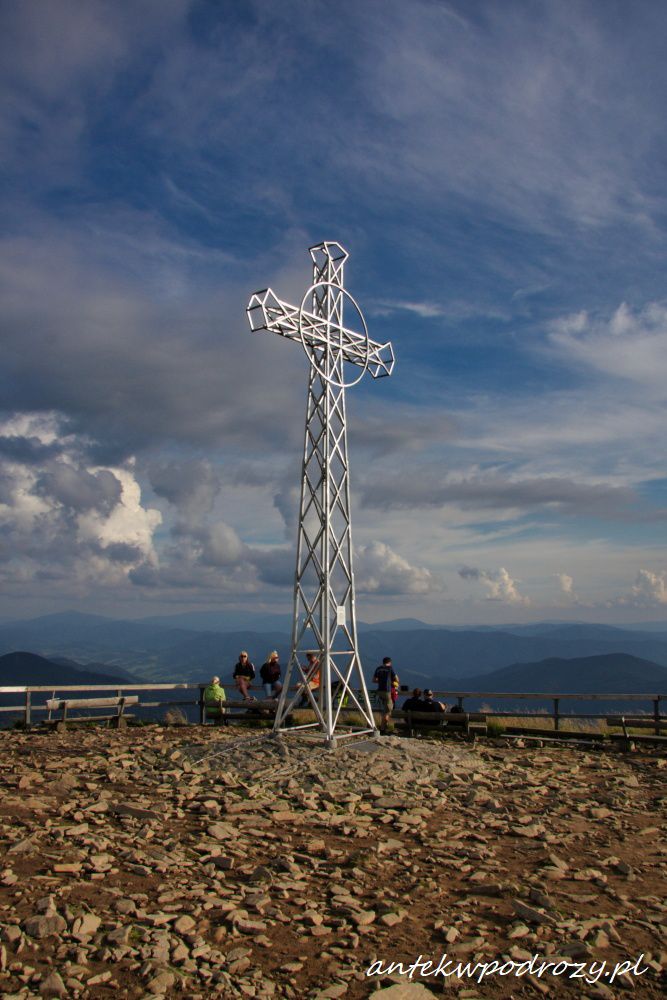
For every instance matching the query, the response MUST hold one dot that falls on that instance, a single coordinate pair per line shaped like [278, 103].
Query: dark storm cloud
[130, 366]
[421, 490]
[383, 431]
[188, 577]
[189, 484]
[122, 552]
[27, 450]
[78, 489]
[7, 486]
[274, 566]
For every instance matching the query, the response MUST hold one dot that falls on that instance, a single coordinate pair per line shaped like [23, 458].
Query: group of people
[244, 674]
[270, 674]
[385, 678]
[387, 694]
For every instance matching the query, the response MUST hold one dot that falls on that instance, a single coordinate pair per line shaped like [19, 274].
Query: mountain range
[20, 668]
[162, 649]
[612, 674]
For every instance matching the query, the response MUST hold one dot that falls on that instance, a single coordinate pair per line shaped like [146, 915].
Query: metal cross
[324, 619]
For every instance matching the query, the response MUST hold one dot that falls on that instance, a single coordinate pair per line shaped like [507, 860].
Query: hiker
[270, 673]
[414, 703]
[429, 704]
[394, 692]
[311, 670]
[214, 699]
[384, 677]
[244, 674]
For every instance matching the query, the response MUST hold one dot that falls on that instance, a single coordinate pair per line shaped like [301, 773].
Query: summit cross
[324, 621]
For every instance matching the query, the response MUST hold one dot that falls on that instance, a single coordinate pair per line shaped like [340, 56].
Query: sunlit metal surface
[324, 610]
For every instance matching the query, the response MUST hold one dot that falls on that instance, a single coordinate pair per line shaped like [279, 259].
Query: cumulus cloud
[380, 570]
[498, 583]
[566, 584]
[192, 485]
[78, 488]
[650, 588]
[68, 519]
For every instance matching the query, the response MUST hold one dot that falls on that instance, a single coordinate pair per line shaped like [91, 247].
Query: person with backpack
[270, 673]
[384, 677]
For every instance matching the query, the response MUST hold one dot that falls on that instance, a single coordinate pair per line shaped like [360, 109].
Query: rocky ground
[203, 862]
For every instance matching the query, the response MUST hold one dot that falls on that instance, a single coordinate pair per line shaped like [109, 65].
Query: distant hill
[159, 652]
[221, 621]
[98, 668]
[447, 653]
[617, 672]
[613, 673]
[396, 625]
[27, 668]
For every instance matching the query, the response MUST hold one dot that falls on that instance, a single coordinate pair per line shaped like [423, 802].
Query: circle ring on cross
[335, 334]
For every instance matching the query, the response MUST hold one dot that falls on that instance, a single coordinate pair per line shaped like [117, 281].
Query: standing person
[244, 675]
[270, 674]
[384, 677]
[394, 692]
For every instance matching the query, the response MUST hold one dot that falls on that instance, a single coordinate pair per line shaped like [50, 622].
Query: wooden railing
[32, 707]
[557, 714]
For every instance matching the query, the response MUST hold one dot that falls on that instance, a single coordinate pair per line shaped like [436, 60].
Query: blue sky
[497, 174]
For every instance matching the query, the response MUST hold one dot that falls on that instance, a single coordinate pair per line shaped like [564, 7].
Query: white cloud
[425, 310]
[380, 570]
[650, 588]
[628, 345]
[67, 518]
[498, 583]
[566, 584]
[129, 523]
[521, 115]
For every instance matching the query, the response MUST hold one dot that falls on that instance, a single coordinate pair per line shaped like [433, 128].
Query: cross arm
[267, 312]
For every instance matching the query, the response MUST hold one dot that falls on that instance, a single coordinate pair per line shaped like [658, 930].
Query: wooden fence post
[202, 707]
[28, 706]
[656, 715]
[556, 714]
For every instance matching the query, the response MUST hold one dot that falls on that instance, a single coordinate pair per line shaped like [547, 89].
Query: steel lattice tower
[324, 610]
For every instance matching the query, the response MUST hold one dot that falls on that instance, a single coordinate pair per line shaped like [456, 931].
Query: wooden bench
[116, 719]
[635, 722]
[223, 712]
[471, 723]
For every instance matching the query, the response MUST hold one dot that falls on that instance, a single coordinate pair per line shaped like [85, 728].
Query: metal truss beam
[324, 619]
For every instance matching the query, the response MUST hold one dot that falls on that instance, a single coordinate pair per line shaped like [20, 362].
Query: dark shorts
[383, 700]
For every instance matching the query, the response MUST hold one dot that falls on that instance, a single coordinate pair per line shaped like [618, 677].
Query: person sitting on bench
[244, 675]
[414, 702]
[214, 699]
[270, 674]
[429, 704]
